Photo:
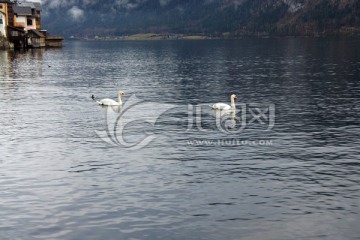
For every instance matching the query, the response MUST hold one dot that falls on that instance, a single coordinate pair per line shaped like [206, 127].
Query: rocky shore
[5, 44]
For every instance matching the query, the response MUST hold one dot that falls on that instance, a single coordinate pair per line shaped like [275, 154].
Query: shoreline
[172, 37]
[5, 44]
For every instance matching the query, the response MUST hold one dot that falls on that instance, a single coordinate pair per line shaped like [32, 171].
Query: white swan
[224, 106]
[110, 102]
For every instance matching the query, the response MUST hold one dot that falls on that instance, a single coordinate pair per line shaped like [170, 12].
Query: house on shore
[54, 41]
[20, 23]
[36, 38]
[3, 18]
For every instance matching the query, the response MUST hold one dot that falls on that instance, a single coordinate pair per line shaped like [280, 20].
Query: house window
[29, 22]
[1, 6]
[15, 34]
[1, 22]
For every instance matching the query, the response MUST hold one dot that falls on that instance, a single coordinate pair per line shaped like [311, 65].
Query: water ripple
[59, 180]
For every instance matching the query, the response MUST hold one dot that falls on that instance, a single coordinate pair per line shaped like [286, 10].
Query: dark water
[286, 167]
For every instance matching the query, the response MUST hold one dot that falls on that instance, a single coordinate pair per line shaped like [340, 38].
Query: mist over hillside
[207, 17]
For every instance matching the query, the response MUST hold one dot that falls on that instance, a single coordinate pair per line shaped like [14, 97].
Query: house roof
[37, 6]
[25, 8]
[33, 5]
[23, 11]
[16, 29]
[37, 33]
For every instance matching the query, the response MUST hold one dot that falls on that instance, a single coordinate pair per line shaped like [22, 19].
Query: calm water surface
[60, 180]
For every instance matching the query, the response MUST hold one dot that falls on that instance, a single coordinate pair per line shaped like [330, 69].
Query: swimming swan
[224, 106]
[110, 102]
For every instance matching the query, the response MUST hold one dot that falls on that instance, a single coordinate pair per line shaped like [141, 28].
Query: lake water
[285, 166]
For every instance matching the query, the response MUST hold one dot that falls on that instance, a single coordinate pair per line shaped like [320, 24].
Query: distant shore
[176, 36]
[156, 36]
[147, 37]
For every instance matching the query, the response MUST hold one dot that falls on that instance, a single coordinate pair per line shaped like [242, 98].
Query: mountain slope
[209, 17]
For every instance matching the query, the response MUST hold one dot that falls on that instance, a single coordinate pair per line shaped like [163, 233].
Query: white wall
[21, 19]
[31, 27]
[2, 26]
